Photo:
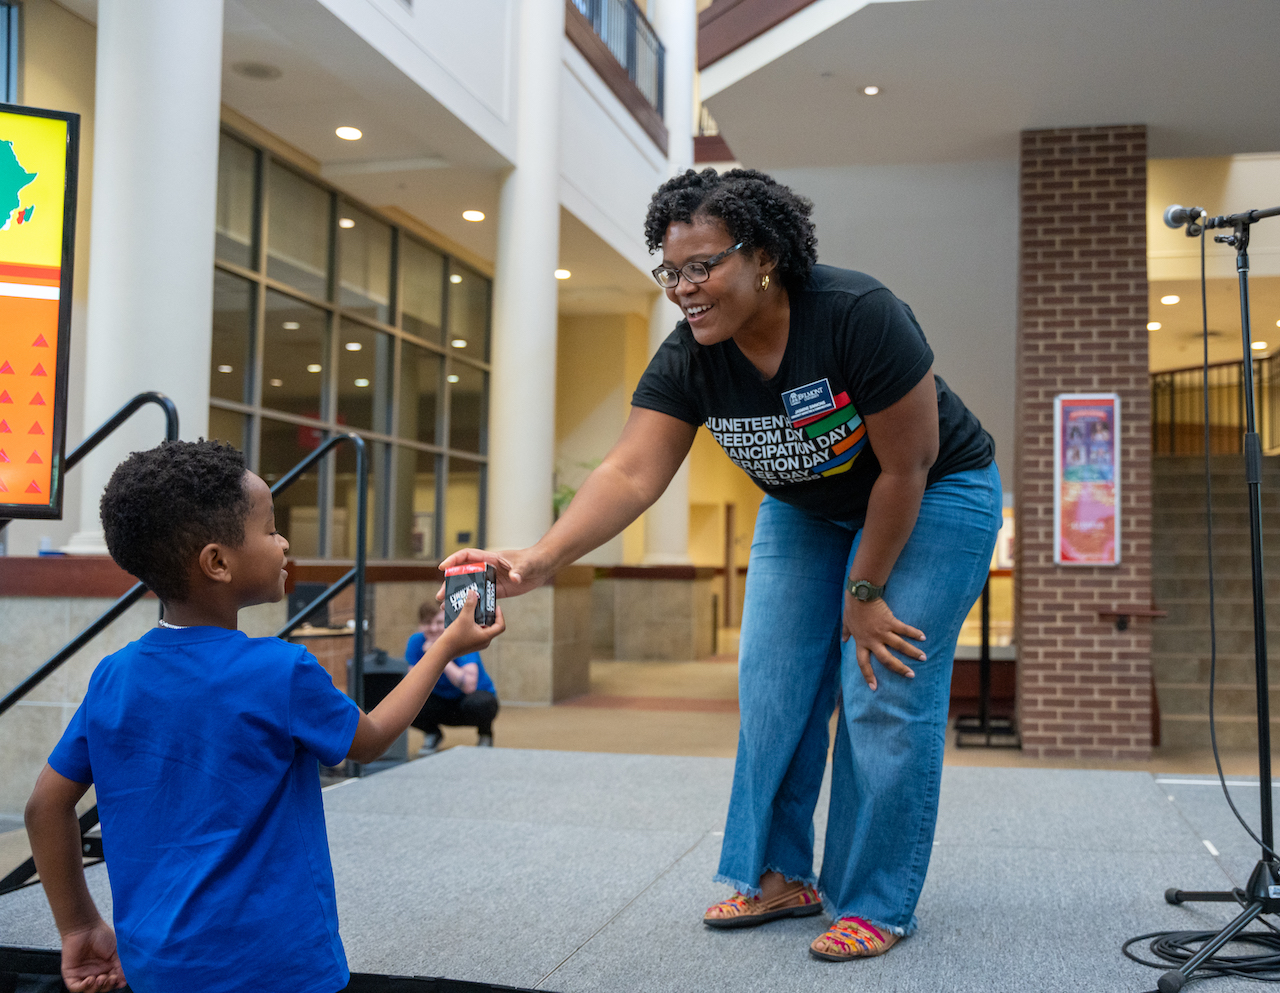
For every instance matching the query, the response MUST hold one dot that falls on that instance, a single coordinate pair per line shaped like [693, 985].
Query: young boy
[204, 746]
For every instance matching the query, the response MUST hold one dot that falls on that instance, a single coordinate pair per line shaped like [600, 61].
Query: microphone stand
[1261, 894]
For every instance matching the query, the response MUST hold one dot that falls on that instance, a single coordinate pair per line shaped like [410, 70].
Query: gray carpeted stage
[583, 872]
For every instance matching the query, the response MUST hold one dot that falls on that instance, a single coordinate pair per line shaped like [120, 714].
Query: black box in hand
[461, 580]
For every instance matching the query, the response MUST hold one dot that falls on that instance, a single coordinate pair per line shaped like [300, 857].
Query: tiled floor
[690, 708]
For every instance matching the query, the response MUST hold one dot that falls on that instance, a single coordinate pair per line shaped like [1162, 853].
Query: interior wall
[59, 62]
[599, 359]
[944, 238]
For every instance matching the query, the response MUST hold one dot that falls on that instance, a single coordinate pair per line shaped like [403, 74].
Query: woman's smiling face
[717, 309]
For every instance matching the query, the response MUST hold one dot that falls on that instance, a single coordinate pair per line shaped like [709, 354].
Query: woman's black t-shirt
[853, 349]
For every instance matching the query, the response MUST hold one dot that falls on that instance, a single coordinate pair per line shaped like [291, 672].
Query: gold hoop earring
[764, 282]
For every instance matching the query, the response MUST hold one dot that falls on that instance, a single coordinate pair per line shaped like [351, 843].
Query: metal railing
[92, 845]
[622, 26]
[1177, 408]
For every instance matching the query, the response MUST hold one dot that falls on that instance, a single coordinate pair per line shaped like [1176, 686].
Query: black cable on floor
[1176, 947]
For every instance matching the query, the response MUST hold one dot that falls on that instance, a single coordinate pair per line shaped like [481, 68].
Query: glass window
[343, 541]
[414, 535]
[283, 446]
[228, 426]
[468, 312]
[230, 375]
[295, 356]
[364, 377]
[364, 271]
[462, 517]
[421, 289]
[468, 401]
[237, 170]
[419, 393]
[298, 233]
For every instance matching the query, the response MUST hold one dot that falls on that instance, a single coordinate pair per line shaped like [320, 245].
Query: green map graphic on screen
[12, 179]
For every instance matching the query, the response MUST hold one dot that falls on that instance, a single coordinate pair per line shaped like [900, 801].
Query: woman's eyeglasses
[693, 272]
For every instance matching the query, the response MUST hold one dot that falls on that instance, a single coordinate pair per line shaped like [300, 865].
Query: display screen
[38, 160]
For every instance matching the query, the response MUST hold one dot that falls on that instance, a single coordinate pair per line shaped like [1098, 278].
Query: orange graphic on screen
[33, 155]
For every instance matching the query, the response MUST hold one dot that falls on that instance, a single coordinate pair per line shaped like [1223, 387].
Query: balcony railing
[632, 41]
[1177, 408]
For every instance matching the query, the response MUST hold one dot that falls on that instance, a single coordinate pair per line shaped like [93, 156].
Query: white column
[155, 163]
[666, 527]
[676, 22]
[522, 419]
[666, 531]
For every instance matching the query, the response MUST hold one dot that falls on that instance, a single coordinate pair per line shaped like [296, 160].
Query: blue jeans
[792, 668]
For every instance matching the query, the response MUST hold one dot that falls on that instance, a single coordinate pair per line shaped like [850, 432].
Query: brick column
[1084, 688]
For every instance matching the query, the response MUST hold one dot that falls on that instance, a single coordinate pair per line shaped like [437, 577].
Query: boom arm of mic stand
[1248, 217]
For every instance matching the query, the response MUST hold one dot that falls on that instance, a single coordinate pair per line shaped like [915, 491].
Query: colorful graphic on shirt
[820, 436]
[33, 191]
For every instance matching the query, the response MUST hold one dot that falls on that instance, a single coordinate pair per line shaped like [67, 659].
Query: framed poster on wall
[1086, 479]
[39, 156]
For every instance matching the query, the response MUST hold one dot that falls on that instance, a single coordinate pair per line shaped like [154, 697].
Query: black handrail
[138, 590]
[113, 422]
[20, 876]
[355, 574]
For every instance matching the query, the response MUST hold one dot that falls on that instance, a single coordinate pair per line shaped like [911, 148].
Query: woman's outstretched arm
[631, 477]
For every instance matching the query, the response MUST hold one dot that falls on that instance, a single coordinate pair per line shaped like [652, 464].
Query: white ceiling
[414, 155]
[960, 78]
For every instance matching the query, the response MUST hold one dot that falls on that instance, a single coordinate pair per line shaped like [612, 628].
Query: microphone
[1177, 215]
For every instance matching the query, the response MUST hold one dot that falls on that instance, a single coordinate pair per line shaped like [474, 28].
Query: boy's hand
[465, 635]
[89, 960]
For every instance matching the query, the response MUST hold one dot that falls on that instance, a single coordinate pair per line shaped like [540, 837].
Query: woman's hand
[518, 571]
[875, 630]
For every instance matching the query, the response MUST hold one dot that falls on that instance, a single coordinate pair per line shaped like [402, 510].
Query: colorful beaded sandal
[801, 900]
[851, 938]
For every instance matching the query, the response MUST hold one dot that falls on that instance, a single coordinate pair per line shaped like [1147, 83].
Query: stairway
[1179, 584]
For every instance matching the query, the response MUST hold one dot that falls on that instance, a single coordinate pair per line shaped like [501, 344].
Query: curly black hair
[163, 505]
[756, 209]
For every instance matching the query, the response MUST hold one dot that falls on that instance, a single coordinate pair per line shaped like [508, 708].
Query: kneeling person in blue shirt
[204, 746]
[464, 695]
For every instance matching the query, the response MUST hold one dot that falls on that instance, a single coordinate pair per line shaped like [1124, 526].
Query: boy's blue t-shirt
[203, 744]
[444, 689]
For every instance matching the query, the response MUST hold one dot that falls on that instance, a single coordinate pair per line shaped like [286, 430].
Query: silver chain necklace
[173, 627]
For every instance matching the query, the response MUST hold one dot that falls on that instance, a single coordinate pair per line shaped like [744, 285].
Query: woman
[880, 515]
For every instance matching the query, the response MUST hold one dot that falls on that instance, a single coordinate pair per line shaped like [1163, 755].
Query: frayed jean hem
[893, 929]
[810, 879]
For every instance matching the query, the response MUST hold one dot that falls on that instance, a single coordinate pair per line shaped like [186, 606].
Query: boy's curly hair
[163, 505]
[755, 209]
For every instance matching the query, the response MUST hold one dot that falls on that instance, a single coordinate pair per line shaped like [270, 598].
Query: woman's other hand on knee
[875, 631]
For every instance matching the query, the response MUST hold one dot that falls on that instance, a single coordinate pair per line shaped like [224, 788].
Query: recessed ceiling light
[291, 325]
[563, 274]
[362, 382]
[473, 215]
[871, 90]
[1172, 298]
[349, 134]
[224, 368]
[1259, 346]
[455, 278]
[1153, 326]
[452, 379]
[459, 343]
[277, 382]
[346, 222]
[353, 346]
[314, 367]
[1278, 324]
[257, 70]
